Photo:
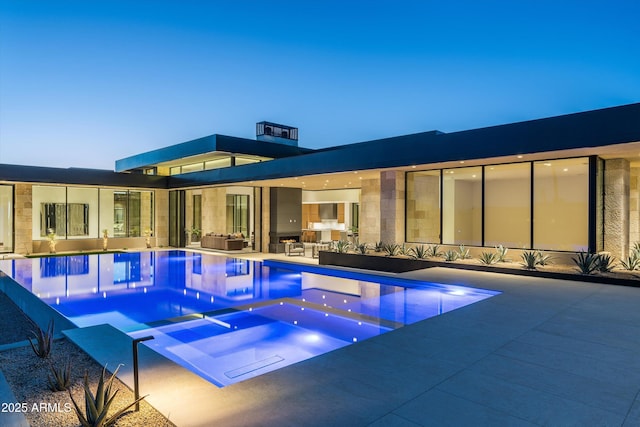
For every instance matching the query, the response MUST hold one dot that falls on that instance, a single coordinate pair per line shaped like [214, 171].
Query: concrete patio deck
[544, 352]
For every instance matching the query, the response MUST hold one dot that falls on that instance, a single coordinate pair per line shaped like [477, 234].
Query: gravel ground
[28, 375]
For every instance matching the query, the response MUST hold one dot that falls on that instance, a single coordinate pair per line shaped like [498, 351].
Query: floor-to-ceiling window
[423, 206]
[238, 213]
[540, 205]
[561, 204]
[6, 218]
[507, 205]
[462, 206]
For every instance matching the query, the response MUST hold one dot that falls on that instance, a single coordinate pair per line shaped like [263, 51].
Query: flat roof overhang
[574, 133]
[212, 144]
[79, 176]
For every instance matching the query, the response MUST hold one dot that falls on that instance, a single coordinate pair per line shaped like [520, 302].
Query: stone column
[392, 199]
[161, 227]
[369, 228]
[634, 206]
[214, 210]
[616, 207]
[266, 218]
[23, 227]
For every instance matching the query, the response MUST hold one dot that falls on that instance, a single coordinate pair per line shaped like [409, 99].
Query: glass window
[218, 163]
[194, 167]
[423, 207]
[462, 206]
[561, 205]
[82, 212]
[197, 211]
[507, 205]
[50, 211]
[6, 218]
[238, 213]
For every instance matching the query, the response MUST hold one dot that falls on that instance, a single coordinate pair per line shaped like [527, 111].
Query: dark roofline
[594, 128]
[79, 176]
[209, 144]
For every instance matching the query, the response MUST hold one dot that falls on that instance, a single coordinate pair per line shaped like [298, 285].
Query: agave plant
[362, 248]
[631, 263]
[529, 259]
[379, 246]
[96, 413]
[586, 262]
[404, 250]
[418, 252]
[391, 249]
[43, 340]
[433, 251]
[543, 259]
[450, 255]
[488, 258]
[604, 263]
[61, 377]
[501, 253]
[463, 253]
[342, 246]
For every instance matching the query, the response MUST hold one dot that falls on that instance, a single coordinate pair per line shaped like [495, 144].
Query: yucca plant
[450, 255]
[61, 377]
[463, 253]
[501, 253]
[586, 262]
[529, 259]
[96, 413]
[631, 263]
[488, 258]
[433, 251]
[342, 246]
[391, 249]
[418, 252]
[43, 340]
[604, 263]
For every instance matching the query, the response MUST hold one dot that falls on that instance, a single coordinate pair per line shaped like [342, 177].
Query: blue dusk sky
[84, 83]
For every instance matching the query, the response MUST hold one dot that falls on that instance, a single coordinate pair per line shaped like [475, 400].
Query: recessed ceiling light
[520, 156]
[461, 162]
[565, 170]
[473, 176]
[547, 164]
[413, 167]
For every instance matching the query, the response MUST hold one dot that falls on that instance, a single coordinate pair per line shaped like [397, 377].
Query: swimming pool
[229, 319]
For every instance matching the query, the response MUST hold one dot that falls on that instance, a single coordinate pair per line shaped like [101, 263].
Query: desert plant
[379, 246]
[97, 406]
[543, 259]
[43, 340]
[463, 253]
[342, 246]
[404, 250]
[391, 249]
[631, 263]
[433, 251]
[418, 252]
[604, 263]
[61, 377]
[361, 248]
[586, 262]
[450, 255]
[529, 259]
[501, 253]
[488, 258]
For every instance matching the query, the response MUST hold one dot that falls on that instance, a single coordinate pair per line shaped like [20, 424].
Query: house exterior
[566, 184]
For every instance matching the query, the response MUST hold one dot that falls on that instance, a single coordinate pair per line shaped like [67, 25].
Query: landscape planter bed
[396, 264]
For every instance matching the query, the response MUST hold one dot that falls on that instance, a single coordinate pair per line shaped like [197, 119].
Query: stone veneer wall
[23, 226]
[616, 207]
[423, 208]
[392, 195]
[214, 213]
[634, 206]
[369, 229]
[161, 227]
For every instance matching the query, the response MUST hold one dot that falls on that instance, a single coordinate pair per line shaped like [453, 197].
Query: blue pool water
[229, 319]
